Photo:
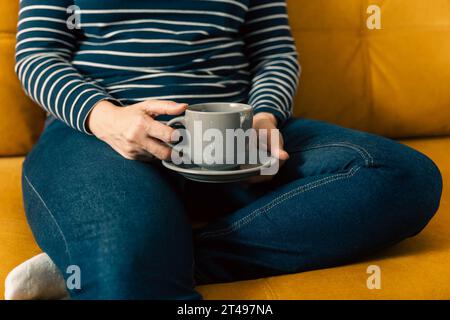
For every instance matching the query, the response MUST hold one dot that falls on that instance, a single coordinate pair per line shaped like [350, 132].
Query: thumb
[277, 148]
[280, 154]
[160, 107]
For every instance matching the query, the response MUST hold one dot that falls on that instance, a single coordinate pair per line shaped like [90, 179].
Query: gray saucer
[196, 173]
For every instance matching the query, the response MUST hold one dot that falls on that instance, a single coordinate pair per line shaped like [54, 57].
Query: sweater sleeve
[273, 58]
[44, 49]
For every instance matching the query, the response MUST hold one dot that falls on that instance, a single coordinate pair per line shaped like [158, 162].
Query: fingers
[144, 157]
[278, 150]
[280, 154]
[147, 149]
[273, 140]
[158, 149]
[160, 131]
[160, 107]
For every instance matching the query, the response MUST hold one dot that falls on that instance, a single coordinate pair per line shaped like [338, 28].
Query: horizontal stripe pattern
[126, 51]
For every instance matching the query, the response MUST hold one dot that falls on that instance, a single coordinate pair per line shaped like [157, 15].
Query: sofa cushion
[416, 268]
[20, 121]
[16, 240]
[392, 81]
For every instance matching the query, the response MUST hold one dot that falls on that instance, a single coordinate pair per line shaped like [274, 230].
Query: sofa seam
[10, 33]
[273, 294]
[367, 63]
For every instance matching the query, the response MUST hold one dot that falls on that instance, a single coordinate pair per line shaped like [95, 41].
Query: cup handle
[176, 120]
[246, 116]
[179, 120]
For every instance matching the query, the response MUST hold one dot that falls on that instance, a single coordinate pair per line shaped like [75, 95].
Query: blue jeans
[342, 195]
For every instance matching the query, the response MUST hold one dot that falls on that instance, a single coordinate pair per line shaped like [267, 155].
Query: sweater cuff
[89, 103]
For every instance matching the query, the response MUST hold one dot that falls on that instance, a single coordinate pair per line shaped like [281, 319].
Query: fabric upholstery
[392, 81]
[16, 240]
[20, 121]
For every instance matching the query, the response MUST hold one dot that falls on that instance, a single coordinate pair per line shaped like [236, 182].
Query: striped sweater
[126, 51]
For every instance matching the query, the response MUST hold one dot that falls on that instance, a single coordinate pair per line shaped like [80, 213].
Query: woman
[95, 196]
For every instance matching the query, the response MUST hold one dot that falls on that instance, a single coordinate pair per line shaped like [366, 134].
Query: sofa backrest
[394, 81]
[20, 120]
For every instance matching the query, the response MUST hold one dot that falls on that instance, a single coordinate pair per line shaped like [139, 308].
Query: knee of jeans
[416, 183]
[429, 188]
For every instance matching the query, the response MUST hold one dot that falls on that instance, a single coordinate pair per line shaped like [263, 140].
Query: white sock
[36, 279]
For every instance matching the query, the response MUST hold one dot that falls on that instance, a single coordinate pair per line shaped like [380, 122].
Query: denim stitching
[282, 198]
[51, 215]
[367, 157]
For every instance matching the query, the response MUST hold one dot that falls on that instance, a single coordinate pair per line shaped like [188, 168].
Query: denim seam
[51, 215]
[280, 199]
[367, 157]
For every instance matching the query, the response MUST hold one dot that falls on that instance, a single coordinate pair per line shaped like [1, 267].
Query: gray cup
[204, 123]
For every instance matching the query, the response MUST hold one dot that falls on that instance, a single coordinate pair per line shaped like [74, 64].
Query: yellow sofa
[394, 81]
